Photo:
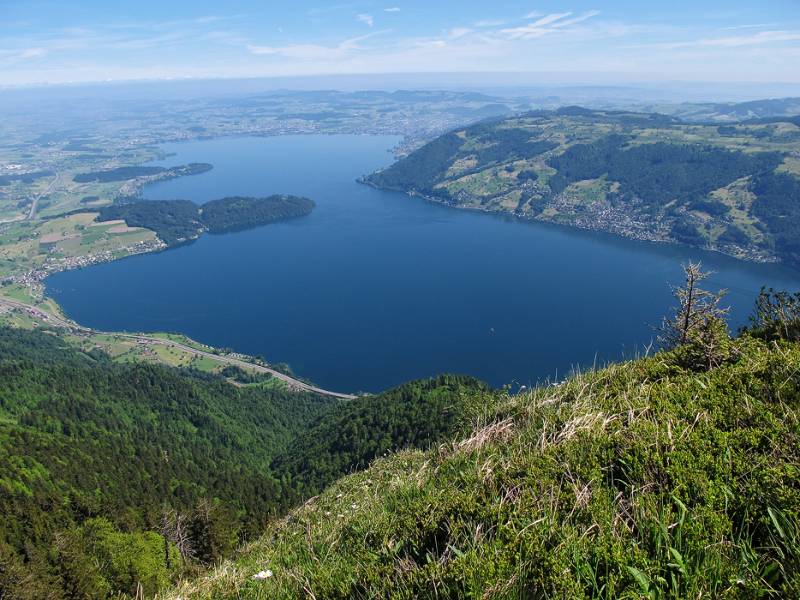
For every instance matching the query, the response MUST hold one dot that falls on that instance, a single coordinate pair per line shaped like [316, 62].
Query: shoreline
[765, 260]
[45, 311]
[231, 358]
[34, 279]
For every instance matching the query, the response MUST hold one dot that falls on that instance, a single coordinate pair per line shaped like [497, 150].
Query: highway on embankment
[35, 203]
[291, 382]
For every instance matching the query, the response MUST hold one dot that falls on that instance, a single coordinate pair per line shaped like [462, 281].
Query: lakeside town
[34, 277]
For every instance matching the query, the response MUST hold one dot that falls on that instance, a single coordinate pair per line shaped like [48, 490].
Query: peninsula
[180, 221]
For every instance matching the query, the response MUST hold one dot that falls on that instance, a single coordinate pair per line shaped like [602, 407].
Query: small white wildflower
[327, 513]
[263, 575]
[339, 495]
[354, 506]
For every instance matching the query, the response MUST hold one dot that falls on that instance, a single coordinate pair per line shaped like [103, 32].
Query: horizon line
[615, 83]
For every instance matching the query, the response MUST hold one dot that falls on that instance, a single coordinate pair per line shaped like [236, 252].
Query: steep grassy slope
[639, 480]
[645, 176]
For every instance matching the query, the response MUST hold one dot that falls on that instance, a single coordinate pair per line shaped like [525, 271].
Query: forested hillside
[733, 188]
[179, 221]
[237, 212]
[100, 461]
[125, 173]
[93, 453]
[173, 221]
[350, 435]
[672, 476]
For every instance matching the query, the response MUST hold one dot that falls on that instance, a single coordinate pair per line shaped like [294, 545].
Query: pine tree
[698, 324]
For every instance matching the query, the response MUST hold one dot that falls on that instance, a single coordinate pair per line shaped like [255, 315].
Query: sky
[621, 41]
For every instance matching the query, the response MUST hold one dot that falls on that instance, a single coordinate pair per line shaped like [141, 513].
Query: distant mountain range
[738, 111]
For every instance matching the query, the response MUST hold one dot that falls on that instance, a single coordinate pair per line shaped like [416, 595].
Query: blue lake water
[376, 288]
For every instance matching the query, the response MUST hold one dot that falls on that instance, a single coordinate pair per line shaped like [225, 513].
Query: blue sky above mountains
[89, 40]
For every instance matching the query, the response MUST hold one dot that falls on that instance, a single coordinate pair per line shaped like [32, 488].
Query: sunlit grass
[637, 480]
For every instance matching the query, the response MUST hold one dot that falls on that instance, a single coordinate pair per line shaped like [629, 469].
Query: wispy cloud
[489, 23]
[116, 38]
[365, 18]
[753, 26]
[547, 19]
[458, 32]
[585, 16]
[572, 40]
[307, 52]
[547, 24]
[28, 53]
[755, 39]
[13, 56]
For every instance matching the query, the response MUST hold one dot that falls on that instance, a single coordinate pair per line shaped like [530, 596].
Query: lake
[375, 288]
